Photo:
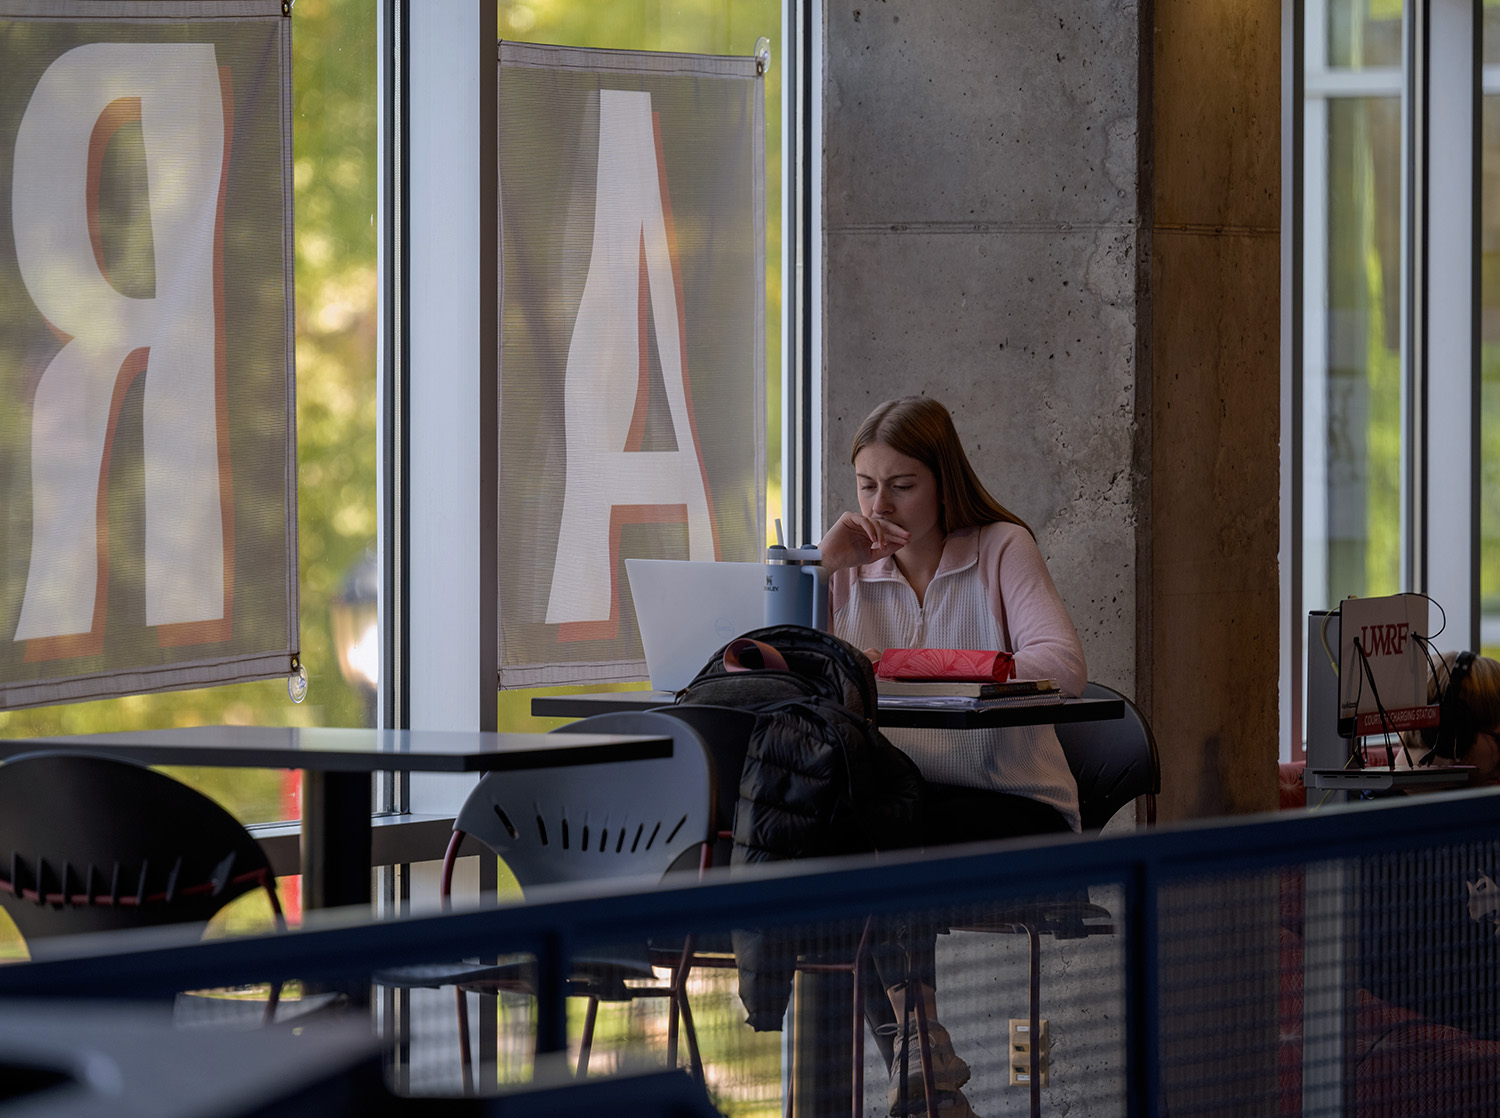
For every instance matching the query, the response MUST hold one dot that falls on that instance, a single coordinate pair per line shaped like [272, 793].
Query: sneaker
[949, 1072]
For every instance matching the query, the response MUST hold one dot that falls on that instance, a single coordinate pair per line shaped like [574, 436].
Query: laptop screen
[688, 610]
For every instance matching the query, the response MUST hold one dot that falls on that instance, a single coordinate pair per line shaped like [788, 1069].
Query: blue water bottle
[796, 587]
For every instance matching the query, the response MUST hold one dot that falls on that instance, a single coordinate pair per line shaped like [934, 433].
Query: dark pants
[955, 814]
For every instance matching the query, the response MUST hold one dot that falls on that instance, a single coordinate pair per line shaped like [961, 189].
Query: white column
[452, 420]
[813, 269]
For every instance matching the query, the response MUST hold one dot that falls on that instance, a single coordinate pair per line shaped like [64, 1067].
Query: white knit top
[1013, 607]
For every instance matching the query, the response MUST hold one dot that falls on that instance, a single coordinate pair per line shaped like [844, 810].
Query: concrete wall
[1105, 334]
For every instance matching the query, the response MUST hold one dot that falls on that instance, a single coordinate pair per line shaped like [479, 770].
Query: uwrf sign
[1383, 665]
[632, 366]
[147, 457]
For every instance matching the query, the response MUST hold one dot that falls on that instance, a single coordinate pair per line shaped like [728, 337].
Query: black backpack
[815, 742]
[817, 665]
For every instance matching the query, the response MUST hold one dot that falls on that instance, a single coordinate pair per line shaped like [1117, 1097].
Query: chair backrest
[90, 844]
[726, 735]
[1114, 761]
[586, 822]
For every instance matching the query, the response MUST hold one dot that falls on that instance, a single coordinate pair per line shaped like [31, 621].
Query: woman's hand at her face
[855, 540]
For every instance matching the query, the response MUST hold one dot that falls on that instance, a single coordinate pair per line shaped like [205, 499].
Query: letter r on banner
[610, 481]
[176, 93]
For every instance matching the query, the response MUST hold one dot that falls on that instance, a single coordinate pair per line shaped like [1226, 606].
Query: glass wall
[1353, 292]
[695, 27]
[1359, 398]
[701, 27]
[336, 172]
[1489, 337]
[335, 166]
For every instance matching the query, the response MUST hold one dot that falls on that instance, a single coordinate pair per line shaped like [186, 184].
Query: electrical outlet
[1021, 1042]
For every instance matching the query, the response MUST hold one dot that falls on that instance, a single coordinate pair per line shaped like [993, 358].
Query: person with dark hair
[1467, 690]
[931, 560]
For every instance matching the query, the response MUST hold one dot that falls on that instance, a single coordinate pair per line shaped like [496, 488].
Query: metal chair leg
[465, 1060]
[858, 1093]
[924, 1046]
[677, 993]
[789, 1046]
[672, 1015]
[695, 1058]
[268, 1015]
[1035, 995]
[586, 1043]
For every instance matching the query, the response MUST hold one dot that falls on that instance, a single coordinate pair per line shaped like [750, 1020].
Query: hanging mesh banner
[147, 450]
[632, 344]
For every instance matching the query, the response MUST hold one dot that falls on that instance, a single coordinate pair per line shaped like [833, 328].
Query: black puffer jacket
[807, 769]
[806, 790]
[818, 780]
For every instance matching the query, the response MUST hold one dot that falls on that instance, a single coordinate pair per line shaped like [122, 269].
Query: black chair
[725, 733]
[96, 844]
[1114, 763]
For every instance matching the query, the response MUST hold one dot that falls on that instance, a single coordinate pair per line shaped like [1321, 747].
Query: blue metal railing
[557, 922]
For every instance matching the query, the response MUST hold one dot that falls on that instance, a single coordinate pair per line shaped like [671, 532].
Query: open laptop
[688, 610]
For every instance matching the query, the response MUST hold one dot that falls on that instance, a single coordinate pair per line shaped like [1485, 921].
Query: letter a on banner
[632, 302]
[175, 337]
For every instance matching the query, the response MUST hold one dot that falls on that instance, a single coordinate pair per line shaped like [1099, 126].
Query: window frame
[445, 686]
[1442, 84]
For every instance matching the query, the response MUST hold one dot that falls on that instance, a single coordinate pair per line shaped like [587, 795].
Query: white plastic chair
[584, 823]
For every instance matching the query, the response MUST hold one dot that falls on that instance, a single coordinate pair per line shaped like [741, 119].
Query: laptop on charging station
[688, 610]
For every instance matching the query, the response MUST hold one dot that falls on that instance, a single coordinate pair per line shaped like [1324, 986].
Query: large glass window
[1385, 378]
[335, 114]
[1353, 294]
[1349, 519]
[335, 167]
[1489, 337]
[699, 27]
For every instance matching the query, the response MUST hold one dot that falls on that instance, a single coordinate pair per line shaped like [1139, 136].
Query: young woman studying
[931, 560]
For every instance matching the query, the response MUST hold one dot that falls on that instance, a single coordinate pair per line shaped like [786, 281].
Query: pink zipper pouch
[960, 665]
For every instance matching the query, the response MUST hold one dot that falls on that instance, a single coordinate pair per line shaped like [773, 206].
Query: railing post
[1326, 996]
[1142, 988]
[551, 995]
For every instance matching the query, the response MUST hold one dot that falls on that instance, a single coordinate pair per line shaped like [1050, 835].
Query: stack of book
[926, 692]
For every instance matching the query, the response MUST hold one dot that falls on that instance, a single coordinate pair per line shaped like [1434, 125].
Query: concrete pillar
[988, 239]
[1215, 403]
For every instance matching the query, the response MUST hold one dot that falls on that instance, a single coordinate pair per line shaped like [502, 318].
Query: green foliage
[1363, 390]
[1489, 476]
[1383, 448]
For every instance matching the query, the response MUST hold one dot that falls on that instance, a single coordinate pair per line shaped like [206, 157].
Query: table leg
[335, 839]
[823, 1049]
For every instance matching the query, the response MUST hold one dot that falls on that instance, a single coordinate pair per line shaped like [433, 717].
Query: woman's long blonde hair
[921, 428]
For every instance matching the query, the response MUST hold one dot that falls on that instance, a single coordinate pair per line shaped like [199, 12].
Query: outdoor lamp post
[356, 630]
